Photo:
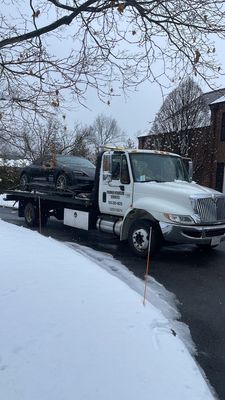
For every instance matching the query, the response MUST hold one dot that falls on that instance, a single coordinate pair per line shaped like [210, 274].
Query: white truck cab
[139, 189]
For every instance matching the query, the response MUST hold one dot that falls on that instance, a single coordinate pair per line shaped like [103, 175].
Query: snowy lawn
[71, 330]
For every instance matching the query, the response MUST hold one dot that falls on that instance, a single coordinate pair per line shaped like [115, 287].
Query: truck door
[116, 193]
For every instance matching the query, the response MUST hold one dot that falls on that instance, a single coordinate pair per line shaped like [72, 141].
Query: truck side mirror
[107, 176]
[190, 170]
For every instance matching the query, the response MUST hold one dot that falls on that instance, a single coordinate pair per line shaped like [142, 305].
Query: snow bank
[70, 330]
[157, 294]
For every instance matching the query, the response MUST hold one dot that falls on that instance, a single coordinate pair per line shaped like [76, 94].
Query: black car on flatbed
[58, 172]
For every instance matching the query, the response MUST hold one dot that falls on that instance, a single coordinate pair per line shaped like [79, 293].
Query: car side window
[37, 162]
[46, 162]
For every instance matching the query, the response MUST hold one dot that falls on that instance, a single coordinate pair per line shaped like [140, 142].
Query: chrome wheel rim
[140, 239]
[61, 182]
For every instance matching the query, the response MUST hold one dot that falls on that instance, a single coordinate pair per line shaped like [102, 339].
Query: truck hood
[170, 197]
[186, 187]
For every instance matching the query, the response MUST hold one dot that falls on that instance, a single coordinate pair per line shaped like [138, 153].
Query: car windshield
[157, 167]
[73, 161]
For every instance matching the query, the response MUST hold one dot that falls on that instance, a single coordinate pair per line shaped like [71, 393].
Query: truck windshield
[157, 167]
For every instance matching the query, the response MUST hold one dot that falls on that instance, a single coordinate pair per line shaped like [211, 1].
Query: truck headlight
[180, 219]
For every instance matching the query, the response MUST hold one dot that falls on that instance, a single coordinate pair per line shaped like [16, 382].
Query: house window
[222, 135]
[219, 177]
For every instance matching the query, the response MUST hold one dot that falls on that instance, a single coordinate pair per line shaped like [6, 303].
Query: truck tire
[138, 237]
[31, 215]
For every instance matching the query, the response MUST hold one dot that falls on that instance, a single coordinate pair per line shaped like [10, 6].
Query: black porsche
[59, 171]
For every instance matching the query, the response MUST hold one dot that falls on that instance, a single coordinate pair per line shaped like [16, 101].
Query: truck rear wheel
[30, 215]
[138, 237]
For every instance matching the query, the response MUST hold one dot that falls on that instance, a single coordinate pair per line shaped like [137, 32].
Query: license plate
[215, 240]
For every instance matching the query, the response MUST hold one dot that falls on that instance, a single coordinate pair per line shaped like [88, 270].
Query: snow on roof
[13, 163]
[71, 330]
[213, 95]
[142, 135]
[219, 100]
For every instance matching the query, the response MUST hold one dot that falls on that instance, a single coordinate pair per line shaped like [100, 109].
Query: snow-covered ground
[4, 203]
[69, 329]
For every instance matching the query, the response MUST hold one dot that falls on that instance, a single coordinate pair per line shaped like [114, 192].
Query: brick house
[205, 145]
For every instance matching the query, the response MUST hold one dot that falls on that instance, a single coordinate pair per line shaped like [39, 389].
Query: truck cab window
[125, 177]
[116, 160]
[106, 163]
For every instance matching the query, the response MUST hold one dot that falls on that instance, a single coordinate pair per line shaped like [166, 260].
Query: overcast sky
[135, 113]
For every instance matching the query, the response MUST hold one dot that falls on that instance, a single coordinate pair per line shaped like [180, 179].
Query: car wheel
[61, 182]
[138, 237]
[24, 182]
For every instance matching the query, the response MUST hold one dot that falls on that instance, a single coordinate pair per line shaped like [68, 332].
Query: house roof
[219, 100]
[213, 96]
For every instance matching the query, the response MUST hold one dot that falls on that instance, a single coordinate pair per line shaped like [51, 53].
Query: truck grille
[210, 209]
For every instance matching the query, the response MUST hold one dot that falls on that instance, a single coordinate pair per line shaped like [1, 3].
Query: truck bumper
[200, 234]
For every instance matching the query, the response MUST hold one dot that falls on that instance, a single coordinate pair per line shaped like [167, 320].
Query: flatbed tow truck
[135, 192]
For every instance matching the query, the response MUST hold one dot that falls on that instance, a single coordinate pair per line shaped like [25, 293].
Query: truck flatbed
[63, 199]
[36, 207]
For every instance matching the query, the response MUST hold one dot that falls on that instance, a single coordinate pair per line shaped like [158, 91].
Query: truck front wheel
[138, 237]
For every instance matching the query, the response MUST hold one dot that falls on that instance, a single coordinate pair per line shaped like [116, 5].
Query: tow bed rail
[63, 199]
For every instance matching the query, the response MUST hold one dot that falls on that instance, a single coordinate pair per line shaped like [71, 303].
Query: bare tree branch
[113, 45]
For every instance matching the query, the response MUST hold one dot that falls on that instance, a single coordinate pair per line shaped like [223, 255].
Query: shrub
[9, 177]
